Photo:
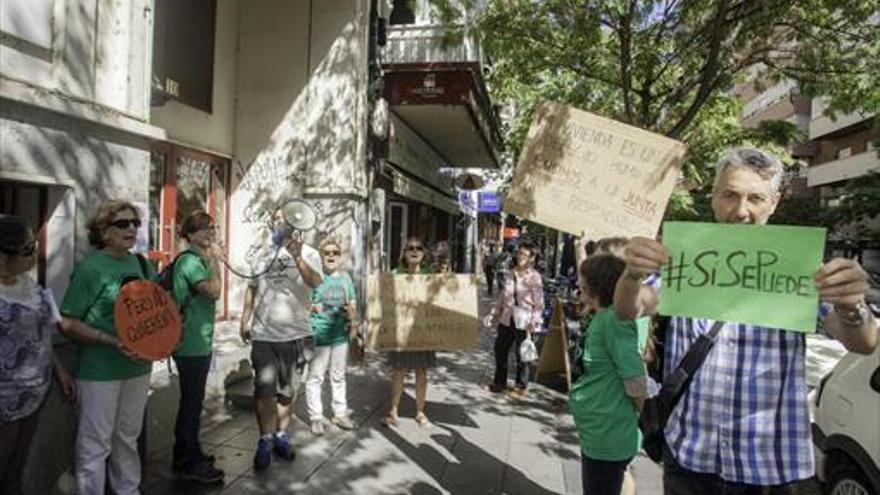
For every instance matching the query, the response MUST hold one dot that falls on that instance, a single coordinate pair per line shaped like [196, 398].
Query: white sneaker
[317, 428]
[344, 422]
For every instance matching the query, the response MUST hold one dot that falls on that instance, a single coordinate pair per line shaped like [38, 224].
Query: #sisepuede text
[757, 271]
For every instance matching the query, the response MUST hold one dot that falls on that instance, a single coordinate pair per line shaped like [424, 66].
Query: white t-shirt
[281, 302]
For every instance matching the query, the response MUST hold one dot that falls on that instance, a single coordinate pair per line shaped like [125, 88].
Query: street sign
[488, 202]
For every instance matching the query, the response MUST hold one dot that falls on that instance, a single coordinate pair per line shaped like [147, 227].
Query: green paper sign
[755, 274]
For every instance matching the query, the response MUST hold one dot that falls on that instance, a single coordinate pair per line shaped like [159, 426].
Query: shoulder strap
[678, 381]
[143, 263]
[515, 295]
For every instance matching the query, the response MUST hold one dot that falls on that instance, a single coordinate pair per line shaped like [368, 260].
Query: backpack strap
[190, 293]
[676, 384]
[143, 263]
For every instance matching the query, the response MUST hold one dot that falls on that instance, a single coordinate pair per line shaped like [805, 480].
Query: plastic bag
[527, 351]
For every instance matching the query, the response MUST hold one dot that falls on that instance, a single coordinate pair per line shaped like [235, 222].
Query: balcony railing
[769, 97]
[425, 44]
[843, 169]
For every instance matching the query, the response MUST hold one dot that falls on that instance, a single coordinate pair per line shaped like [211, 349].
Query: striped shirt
[745, 415]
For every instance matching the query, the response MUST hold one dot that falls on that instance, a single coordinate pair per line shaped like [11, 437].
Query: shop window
[402, 13]
[183, 52]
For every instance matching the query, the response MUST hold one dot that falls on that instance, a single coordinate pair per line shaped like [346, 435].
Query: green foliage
[859, 206]
[670, 66]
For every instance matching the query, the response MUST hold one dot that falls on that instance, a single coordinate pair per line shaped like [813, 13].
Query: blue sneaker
[283, 448]
[263, 456]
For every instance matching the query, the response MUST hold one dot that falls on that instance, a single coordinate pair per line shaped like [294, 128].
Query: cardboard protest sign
[554, 353]
[756, 274]
[147, 320]
[422, 312]
[581, 172]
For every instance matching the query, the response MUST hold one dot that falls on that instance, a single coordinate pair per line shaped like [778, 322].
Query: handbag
[527, 351]
[656, 410]
[521, 316]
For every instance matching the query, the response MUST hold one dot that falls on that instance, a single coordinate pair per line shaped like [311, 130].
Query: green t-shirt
[198, 310]
[91, 298]
[606, 418]
[330, 325]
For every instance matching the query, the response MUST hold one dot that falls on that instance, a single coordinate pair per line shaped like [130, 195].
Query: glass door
[184, 181]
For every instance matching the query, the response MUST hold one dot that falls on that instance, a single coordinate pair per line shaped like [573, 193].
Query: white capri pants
[110, 421]
[336, 358]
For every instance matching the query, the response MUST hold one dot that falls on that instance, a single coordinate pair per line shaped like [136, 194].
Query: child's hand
[317, 308]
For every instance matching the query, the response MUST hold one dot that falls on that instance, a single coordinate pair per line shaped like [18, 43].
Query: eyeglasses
[125, 223]
[331, 253]
[413, 247]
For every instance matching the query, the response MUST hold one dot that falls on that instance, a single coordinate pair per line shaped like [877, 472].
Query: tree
[669, 65]
[859, 208]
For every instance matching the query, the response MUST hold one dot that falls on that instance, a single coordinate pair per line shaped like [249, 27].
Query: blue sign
[488, 202]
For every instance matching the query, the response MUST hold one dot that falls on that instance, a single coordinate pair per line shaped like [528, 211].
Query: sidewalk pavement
[478, 442]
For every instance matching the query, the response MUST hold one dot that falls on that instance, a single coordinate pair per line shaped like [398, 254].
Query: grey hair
[766, 164]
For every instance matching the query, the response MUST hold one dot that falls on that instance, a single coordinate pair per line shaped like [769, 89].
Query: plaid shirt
[745, 415]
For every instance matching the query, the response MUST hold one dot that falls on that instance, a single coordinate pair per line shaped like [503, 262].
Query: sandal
[390, 420]
[422, 420]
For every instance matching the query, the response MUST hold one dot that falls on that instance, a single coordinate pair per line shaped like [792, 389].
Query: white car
[846, 427]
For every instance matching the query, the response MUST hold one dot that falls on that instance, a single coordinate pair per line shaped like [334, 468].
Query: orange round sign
[147, 320]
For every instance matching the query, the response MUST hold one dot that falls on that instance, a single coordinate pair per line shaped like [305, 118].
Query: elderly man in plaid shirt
[743, 425]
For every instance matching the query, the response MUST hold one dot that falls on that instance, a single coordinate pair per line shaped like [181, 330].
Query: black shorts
[278, 367]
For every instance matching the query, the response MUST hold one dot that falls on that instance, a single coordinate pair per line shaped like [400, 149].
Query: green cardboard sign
[756, 274]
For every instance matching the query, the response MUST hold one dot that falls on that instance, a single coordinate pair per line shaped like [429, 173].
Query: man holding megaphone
[275, 320]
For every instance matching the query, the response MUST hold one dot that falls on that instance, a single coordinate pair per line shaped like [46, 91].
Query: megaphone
[297, 215]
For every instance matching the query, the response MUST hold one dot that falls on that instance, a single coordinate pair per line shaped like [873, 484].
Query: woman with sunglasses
[412, 262]
[197, 284]
[27, 322]
[517, 311]
[111, 381]
[333, 319]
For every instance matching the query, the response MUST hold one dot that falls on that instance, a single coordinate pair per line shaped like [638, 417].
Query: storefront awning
[413, 190]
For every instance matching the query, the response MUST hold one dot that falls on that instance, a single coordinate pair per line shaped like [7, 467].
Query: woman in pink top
[517, 311]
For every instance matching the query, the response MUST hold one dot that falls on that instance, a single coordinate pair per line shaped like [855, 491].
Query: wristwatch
[855, 317]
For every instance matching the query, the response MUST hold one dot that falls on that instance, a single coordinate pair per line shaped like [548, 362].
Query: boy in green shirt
[606, 400]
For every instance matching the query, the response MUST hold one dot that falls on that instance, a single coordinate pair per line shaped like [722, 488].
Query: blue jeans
[602, 477]
[193, 372]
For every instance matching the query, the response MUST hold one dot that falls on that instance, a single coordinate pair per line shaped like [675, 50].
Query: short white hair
[762, 162]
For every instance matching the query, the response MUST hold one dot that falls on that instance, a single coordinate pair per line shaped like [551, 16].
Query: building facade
[233, 108]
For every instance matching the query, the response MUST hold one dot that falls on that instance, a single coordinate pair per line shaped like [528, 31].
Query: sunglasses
[125, 223]
[27, 250]
[331, 253]
[413, 247]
